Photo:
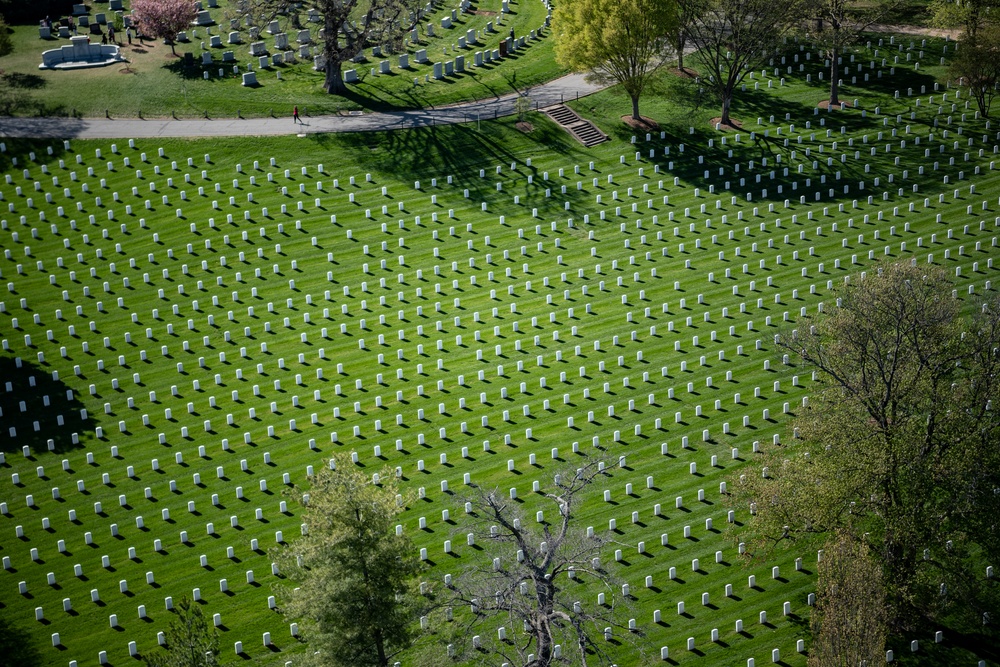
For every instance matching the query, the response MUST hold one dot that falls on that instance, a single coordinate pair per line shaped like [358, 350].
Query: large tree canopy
[349, 27]
[624, 41]
[849, 622]
[354, 575]
[900, 443]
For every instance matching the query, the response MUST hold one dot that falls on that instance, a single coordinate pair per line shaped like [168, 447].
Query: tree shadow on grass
[457, 150]
[826, 172]
[15, 106]
[24, 80]
[29, 13]
[21, 149]
[16, 647]
[16, 97]
[32, 386]
[193, 70]
[370, 93]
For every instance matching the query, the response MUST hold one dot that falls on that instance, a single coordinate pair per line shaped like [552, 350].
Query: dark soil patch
[734, 124]
[483, 12]
[525, 126]
[686, 73]
[644, 123]
[825, 104]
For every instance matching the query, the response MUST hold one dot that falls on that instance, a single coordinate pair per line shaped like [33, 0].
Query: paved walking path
[565, 88]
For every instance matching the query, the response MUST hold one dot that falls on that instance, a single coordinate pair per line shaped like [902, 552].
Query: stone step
[581, 129]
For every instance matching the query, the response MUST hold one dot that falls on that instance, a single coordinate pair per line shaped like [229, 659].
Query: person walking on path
[295, 115]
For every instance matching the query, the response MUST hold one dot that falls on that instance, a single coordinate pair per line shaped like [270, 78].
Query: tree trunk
[681, 39]
[983, 98]
[834, 77]
[635, 108]
[377, 635]
[383, 659]
[333, 52]
[544, 594]
[727, 100]
[899, 577]
[544, 657]
[334, 83]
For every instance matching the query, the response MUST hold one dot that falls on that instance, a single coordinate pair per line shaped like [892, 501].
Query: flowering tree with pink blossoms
[163, 18]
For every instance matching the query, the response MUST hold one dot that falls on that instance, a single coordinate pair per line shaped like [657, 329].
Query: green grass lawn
[157, 84]
[361, 294]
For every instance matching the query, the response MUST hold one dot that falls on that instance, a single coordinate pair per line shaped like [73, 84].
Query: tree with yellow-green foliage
[624, 41]
[968, 16]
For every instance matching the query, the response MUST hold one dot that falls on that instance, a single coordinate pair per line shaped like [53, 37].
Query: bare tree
[840, 23]
[687, 11]
[733, 37]
[977, 63]
[524, 588]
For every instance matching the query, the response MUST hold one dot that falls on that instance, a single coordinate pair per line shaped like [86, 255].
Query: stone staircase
[582, 130]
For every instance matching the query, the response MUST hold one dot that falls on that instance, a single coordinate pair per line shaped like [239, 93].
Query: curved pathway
[566, 88]
[563, 89]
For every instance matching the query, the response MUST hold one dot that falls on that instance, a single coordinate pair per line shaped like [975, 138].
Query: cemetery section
[222, 323]
[226, 67]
